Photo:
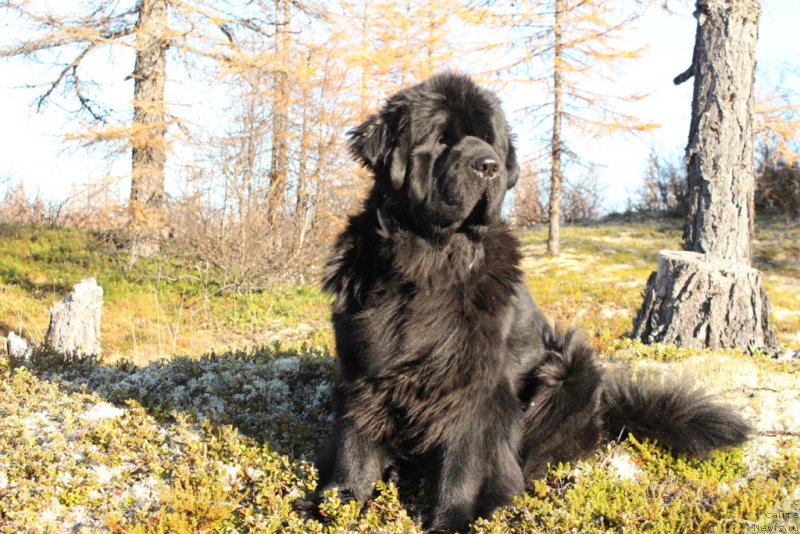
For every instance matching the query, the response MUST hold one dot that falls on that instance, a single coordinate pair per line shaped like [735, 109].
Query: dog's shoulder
[357, 261]
[502, 253]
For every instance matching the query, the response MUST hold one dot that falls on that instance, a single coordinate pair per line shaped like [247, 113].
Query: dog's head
[442, 157]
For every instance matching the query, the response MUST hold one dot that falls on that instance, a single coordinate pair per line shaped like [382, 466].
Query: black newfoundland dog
[448, 370]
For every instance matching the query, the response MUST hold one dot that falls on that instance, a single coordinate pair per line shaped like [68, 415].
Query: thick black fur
[447, 367]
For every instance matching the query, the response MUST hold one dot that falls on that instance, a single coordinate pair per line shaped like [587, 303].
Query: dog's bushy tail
[572, 400]
[675, 412]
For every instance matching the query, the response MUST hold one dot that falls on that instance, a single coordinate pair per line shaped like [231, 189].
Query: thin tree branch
[63, 74]
[86, 103]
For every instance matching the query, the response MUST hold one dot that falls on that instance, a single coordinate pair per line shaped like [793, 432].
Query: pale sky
[32, 147]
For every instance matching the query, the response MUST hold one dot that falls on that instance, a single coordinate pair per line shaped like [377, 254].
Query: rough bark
[75, 321]
[694, 300]
[149, 129]
[720, 153]
[555, 140]
[709, 296]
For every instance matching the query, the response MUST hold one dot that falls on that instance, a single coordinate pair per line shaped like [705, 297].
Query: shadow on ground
[278, 397]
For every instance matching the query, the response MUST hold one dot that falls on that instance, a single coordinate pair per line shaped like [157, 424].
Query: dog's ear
[381, 145]
[399, 156]
[369, 141]
[512, 167]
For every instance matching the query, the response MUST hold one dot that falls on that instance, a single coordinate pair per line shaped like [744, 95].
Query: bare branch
[227, 31]
[85, 102]
[63, 74]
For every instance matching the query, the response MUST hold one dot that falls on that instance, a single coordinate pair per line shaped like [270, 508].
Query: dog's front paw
[327, 500]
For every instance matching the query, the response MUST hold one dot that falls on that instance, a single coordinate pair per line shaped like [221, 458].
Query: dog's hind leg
[562, 421]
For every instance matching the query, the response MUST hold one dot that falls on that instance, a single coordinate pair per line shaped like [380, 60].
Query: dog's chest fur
[418, 331]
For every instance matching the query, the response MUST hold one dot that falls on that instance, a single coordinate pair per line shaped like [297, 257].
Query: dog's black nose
[486, 166]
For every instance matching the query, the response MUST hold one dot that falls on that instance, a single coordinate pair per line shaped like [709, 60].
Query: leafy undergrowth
[637, 487]
[222, 444]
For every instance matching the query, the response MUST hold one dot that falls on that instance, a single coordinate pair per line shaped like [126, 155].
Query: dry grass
[176, 305]
[153, 308]
[597, 281]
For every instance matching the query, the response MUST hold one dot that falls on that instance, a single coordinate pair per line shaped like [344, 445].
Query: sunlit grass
[597, 281]
[153, 307]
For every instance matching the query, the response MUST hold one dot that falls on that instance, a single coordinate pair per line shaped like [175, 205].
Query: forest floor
[154, 437]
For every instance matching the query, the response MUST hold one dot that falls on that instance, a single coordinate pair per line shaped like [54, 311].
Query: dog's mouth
[478, 217]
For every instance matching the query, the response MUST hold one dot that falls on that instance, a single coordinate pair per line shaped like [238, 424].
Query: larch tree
[573, 47]
[708, 295]
[398, 43]
[386, 45]
[262, 193]
[156, 31]
[148, 135]
[280, 109]
[777, 127]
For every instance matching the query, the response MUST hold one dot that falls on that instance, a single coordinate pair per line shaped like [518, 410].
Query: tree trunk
[365, 31]
[711, 297]
[555, 140]
[149, 129]
[431, 38]
[280, 114]
[720, 150]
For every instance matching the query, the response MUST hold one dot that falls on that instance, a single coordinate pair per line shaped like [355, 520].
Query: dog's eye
[442, 141]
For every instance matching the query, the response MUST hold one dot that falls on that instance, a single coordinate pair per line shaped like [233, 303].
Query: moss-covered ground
[221, 442]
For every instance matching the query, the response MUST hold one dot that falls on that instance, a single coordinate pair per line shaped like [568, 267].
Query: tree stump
[694, 300]
[75, 321]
